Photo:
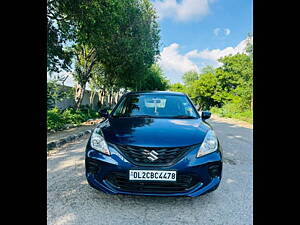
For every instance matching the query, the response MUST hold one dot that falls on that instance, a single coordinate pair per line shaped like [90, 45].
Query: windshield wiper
[134, 116]
[120, 116]
[184, 117]
[142, 116]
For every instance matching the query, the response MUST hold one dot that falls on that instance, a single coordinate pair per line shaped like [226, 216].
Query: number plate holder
[152, 175]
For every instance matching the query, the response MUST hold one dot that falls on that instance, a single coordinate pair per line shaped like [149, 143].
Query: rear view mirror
[205, 115]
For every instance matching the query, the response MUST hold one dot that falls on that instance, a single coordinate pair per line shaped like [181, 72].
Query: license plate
[152, 175]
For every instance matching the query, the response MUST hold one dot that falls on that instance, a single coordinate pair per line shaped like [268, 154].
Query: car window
[155, 106]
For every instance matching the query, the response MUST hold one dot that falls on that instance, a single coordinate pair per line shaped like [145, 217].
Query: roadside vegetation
[110, 45]
[113, 45]
[227, 90]
[59, 120]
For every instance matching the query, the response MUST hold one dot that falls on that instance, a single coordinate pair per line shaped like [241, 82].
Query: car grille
[182, 184]
[165, 156]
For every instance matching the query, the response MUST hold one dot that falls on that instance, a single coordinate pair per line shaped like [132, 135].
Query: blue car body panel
[154, 132]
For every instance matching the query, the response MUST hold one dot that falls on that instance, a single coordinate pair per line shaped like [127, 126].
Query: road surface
[70, 200]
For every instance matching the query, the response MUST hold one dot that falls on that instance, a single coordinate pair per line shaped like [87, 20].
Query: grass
[231, 111]
[57, 120]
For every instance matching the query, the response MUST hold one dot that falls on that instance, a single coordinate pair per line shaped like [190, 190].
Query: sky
[195, 33]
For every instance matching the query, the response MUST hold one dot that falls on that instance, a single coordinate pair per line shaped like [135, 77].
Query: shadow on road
[70, 200]
[68, 186]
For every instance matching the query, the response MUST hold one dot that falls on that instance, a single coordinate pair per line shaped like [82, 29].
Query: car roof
[155, 92]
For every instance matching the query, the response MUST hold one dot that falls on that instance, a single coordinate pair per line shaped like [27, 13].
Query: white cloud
[215, 54]
[216, 31]
[227, 31]
[221, 32]
[175, 64]
[182, 11]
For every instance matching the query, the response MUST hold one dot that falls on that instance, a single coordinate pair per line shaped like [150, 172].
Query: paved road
[70, 200]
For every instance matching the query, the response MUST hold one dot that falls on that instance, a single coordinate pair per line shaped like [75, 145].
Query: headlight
[210, 144]
[98, 143]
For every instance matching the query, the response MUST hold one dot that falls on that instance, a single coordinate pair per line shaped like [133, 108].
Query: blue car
[154, 143]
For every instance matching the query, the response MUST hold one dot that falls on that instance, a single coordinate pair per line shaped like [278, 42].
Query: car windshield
[161, 106]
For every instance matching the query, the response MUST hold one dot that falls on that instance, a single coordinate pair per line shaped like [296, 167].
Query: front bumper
[100, 168]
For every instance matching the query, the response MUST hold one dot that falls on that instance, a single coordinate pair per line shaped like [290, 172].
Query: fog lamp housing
[214, 171]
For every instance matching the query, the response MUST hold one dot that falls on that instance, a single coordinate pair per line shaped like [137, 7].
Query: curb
[57, 144]
[68, 126]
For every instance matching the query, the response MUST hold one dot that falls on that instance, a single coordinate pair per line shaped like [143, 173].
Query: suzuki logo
[152, 156]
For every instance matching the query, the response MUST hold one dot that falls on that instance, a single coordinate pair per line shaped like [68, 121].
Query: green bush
[55, 119]
[88, 113]
[245, 116]
[231, 110]
[79, 116]
[72, 117]
[216, 110]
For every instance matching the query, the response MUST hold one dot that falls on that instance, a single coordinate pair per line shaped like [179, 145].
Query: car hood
[154, 132]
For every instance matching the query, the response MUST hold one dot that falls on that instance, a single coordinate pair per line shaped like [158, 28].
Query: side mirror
[205, 115]
[104, 113]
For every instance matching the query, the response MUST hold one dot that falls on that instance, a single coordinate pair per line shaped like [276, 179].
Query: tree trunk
[101, 95]
[116, 97]
[100, 99]
[93, 93]
[111, 98]
[79, 94]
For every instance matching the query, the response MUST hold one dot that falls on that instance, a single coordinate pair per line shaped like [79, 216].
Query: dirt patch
[63, 134]
[92, 122]
[232, 121]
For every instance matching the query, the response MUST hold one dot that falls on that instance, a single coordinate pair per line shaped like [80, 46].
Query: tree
[249, 50]
[86, 59]
[202, 91]
[249, 46]
[55, 92]
[189, 77]
[177, 87]
[235, 80]
[134, 46]
[154, 80]
[96, 83]
[124, 35]
[230, 83]
[102, 83]
[57, 56]
[208, 69]
[61, 29]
